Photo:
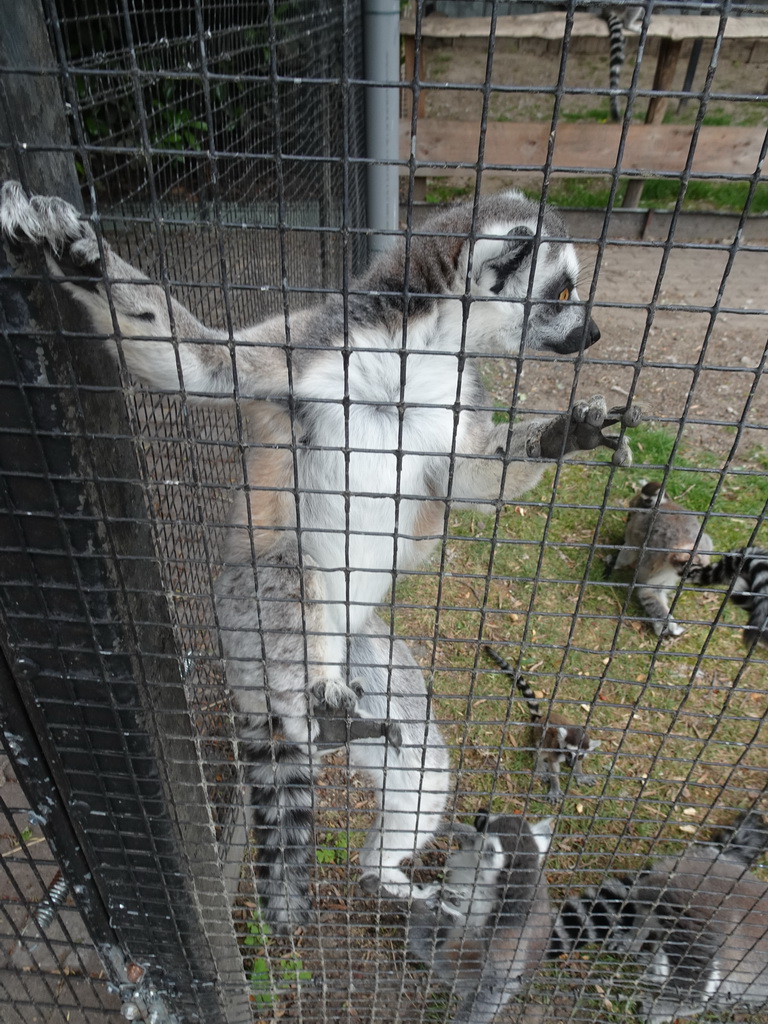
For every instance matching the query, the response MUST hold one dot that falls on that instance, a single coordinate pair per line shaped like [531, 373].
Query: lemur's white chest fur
[396, 410]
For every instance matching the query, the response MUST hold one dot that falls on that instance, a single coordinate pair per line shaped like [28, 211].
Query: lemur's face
[524, 290]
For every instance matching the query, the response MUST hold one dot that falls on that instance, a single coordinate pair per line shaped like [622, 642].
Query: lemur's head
[522, 278]
[575, 744]
[650, 494]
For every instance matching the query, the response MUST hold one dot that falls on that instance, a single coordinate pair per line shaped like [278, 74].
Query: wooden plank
[551, 26]
[511, 146]
[669, 53]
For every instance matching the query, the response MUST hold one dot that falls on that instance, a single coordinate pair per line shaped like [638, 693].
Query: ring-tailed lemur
[662, 541]
[619, 20]
[557, 741]
[746, 572]
[365, 418]
[697, 923]
[493, 933]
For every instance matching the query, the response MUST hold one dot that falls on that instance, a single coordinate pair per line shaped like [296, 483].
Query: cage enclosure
[255, 583]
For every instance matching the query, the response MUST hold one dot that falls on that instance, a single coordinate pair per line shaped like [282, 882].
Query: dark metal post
[85, 624]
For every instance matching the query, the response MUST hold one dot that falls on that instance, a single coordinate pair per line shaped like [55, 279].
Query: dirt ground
[683, 328]
[524, 75]
[698, 353]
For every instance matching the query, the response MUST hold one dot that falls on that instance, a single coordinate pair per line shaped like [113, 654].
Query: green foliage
[705, 195]
[176, 127]
[334, 848]
[578, 193]
[269, 975]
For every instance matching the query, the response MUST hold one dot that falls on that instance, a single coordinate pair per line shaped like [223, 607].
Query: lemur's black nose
[585, 335]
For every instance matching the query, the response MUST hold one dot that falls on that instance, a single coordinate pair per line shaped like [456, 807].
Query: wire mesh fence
[253, 579]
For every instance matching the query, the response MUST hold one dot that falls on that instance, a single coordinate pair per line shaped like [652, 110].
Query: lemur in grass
[557, 741]
[366, 416]
[697, 924]
[662, 540]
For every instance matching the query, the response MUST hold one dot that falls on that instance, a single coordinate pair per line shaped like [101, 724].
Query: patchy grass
[681, 721]
[593, 193]
[268, 975]
[659, 194]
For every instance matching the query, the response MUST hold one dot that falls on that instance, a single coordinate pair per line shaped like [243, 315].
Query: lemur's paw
[394, 884]
[337, 694]
[50, 222]
[668, 629]
[394, 734]
[608, 564]
[581, 430]
[589, 780]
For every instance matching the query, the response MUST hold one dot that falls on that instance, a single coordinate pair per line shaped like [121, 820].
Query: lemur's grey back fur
[365, 420]
[698, 923]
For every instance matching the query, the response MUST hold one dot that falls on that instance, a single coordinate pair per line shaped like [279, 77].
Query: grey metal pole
[381, 34]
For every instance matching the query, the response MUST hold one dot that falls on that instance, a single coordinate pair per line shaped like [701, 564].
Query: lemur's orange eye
[564, 295]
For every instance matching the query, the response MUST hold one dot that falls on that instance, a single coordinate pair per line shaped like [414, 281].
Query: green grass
[440, 192]
[677, 735]
[268, 975]
[600, 115]
[591, 193]
[659, 194]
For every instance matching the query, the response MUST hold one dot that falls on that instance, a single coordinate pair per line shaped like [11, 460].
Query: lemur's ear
[481, 820]
[515, 251]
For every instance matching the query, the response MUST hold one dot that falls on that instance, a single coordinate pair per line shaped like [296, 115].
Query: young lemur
[697, 923]
[557, 741]
[494, 933]
[661, 541]
[746, 572]
[366, 416]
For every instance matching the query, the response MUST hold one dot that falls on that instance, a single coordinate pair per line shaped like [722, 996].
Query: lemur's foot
[670, 628]
[337, 727]
[581, 430]
[338, 694]
[50, 222]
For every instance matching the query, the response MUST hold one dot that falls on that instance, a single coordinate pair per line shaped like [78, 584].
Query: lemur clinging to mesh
[366, 417]
[557, 741]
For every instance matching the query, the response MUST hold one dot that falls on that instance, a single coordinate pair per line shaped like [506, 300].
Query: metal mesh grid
[237, 234]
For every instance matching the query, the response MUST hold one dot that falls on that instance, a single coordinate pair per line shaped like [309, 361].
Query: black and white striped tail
[281, 780]
[602, 915]
[747, 570]
[517, 677]
[746, 839]
[616, 60]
